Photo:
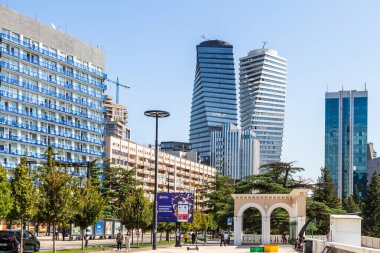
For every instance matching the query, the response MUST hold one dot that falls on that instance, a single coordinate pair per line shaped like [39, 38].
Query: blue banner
[167, 205]
[99, 228]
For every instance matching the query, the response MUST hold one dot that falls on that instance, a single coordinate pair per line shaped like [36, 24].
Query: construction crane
[117, 87]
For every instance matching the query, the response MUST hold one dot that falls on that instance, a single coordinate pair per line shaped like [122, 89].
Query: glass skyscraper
[346, 140]
[214, 94]
[234, 152]
[263, 75]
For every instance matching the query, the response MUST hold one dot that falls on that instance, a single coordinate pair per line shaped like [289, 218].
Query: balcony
[45, 78]
[49, 119]
[50, 106]
[49, 131]
[53, 94]
[54, 145]
[46, 66]
[52, 55]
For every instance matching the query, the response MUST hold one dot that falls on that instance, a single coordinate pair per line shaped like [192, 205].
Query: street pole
[156, 114]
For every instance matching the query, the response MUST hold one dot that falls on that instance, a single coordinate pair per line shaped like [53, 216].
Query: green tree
[320, 212]
[89, 207]
[219, 201]
[136, 211]
[5, 194]
[57, 189]
[350, 206]
[325, 190]
[24, 197]
[276, 177]
[118, 183]
[356, 196]
[371, 208]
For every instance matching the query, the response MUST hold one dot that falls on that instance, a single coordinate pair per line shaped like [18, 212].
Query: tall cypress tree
[371, 208]
[5, 194]
[325, 191]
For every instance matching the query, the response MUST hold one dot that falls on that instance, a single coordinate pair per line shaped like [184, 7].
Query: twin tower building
[214, 132]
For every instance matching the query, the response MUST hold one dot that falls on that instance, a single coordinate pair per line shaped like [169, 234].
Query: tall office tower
[346, 140]
[234, 152]
[214, 94]
[52, 92]
[262, 100]
[117, 120]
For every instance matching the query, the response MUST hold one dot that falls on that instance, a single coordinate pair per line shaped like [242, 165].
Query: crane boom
[117, 87]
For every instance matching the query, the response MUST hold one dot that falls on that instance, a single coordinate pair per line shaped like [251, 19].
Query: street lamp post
[155, 114]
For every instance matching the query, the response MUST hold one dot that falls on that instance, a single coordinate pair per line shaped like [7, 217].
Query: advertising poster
[75, 231]
[99, 227]
[108, 230]
[183, 212]
[89, 230]
[117, 227]
[168, 204]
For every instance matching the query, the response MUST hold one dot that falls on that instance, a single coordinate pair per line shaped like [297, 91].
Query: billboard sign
[175, 207]
[99, 227]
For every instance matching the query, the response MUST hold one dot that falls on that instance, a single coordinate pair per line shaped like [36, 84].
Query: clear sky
[150, 45]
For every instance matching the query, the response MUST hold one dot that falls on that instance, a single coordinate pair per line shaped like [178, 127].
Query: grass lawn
[93, 248]
[150, 245]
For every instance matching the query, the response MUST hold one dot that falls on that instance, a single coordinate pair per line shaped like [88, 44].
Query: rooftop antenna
[204, 37]
[365, 86]
[327, 88]
[264, 43]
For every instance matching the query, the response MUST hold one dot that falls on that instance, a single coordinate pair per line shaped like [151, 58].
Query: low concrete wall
[319, 245]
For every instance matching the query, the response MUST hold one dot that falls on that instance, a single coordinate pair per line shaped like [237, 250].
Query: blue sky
[150, 45]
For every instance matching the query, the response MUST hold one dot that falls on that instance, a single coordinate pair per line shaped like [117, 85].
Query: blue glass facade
[346, 140]
[214, 95]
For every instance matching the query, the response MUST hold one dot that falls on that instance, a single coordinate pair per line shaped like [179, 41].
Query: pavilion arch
[294, 203]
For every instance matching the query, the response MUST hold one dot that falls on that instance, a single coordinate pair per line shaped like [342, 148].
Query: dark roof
[215, 43]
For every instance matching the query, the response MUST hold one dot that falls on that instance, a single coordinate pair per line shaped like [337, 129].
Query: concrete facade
[175, 174]
[294, 203]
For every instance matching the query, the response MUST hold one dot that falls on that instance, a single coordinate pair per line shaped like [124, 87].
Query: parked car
[10, 241]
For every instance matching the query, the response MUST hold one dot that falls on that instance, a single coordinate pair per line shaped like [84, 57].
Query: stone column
[238, 230]
[265, 229]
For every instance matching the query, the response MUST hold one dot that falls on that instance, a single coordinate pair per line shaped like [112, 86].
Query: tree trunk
[22, 235]
[53, 237]
[81, 231]
[142, 236]
[161, 236]
[167, 235]
[132, 235]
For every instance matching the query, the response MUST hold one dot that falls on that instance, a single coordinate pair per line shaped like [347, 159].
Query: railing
[28, 86]
[251, 239]
[371, 242]
[54, 145]
[51, 106]
[36, 155]
[48, 131]
[50, 80]
[52, 55]
[49, 119]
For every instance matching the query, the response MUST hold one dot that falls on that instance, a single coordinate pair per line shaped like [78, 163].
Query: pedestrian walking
[193, 238]
[128, 242]
[205, 238]
[63, 233]
[185, 236]
[119, 240]
[56, 235]
[222, 241]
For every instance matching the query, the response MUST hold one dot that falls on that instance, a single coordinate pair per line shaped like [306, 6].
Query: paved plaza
[218, 249]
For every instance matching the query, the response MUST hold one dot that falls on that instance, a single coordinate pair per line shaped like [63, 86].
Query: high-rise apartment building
[214, 94]
[346, 139]
[234, 152]
[52, 92]
[117, 120]
[263, 75]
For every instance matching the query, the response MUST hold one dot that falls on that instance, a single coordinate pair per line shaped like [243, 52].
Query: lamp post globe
[155, 114]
